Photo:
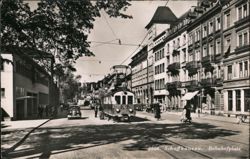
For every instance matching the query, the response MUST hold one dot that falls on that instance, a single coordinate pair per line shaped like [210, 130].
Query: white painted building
[24, 86]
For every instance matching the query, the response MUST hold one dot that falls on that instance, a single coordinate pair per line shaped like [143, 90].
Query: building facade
[139, 78]
[236, 85]
[25, 87]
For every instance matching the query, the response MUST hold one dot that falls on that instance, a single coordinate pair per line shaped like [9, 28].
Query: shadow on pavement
[45, 142]
[82, 118]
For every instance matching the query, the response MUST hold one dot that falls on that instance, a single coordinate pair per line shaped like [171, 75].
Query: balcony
[197, 44]
[241, 21]
[191, 83]
[218, 57]
[207, 82]
[205, 3]
[190, 47]
[173, 85]
[199, 9]
[207, 60]
[192, 15]
[243, 48]
[192, 65]
[175, 52]
[218, 82]
[174, 67]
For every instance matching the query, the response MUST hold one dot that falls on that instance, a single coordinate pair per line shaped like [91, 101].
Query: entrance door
[20, 109]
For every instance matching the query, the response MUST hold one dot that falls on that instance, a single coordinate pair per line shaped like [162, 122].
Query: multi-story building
[162, 19]
[176, 58]
[159, 50]
[139, 79]
[236, 85]
[205, 64]
[24, 86]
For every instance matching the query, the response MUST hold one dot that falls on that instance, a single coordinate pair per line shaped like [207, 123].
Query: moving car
[74, 112]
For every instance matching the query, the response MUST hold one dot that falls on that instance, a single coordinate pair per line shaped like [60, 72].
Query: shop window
[230, 100]
[247, 100]
[238, 101]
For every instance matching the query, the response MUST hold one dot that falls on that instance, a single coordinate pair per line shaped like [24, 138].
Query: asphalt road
[143, 138]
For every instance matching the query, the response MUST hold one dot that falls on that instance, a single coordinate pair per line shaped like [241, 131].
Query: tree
[58, 27]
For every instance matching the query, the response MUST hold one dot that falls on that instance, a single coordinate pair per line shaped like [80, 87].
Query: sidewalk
[208, 117]
[15, 132]
[202, 116]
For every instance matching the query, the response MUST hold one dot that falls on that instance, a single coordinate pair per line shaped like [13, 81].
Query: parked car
[74, 112]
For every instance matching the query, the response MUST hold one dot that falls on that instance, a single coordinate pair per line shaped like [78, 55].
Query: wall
[7, 83]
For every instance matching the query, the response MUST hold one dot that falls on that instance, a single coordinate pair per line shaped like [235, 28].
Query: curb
[5, 153]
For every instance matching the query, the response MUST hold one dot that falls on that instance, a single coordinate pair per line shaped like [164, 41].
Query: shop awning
[189, 95]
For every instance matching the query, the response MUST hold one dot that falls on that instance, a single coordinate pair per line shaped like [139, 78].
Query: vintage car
[74, 112]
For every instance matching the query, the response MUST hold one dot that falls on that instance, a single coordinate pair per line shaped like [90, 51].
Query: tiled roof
[163, 15]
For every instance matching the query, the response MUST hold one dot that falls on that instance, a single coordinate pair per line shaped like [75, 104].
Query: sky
[129, 31]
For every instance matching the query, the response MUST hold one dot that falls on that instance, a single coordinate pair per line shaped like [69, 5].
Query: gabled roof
[163, 15]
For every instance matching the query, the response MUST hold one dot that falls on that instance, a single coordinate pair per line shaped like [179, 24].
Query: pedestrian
[39, 112]
[188, 112]
[157, 111]
[96, 110]
[101, 114]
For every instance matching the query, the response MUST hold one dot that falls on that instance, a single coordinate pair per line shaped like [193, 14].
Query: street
[144, 137]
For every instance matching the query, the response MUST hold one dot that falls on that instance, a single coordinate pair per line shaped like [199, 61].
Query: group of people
[186, 114]
[45, 111]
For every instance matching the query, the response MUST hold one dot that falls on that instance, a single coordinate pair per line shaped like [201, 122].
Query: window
[229, 72]
[246, 66]
[219, 72]
[184, 39]
[204, 51]
[227, 44]
[178, 42]
[197, 35]
[230, 100]
[2, 66]
[227, 20]
[197, 55]
[239, 13]
[211, 48]
[130, 99]
[211, 27]
[218, 23]
[241, 69]
[245, 39]
[247, 100]
[118, 99]
[204, 31]
[168, 48]
[2, 92]
[240, 40]
[123, 99]
[245, 12]
[218, 47]
[238, 101]
[242, 11]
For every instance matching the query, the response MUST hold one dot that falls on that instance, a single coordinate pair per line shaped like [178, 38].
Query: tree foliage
[58, 27]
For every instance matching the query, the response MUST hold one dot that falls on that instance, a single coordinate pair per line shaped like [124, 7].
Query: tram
[118, 102]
